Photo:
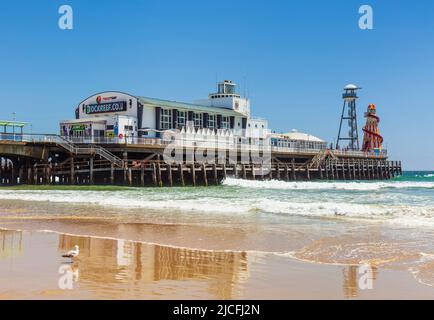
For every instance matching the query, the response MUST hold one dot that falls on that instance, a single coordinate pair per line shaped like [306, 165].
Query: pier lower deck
[157, 173]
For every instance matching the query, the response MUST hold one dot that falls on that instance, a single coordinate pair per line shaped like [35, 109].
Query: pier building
[123, 139]
[121, 117]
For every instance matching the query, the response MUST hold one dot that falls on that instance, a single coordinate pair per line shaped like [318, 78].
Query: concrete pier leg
[91, 171]
[277, 172]
[21, 175]
[214, 169]
[130, 177]
[181, 174]
[72, 171]
[244, 172]
[154, 174]
[205, 178]
[29, 175]
[343, 171]
[159, 178]
[224, 171]
[169, 174]
[294, 175]
[193, 174]
[112, 174]
[142, 174]
[307, 172]
[286, 172]
[235, 171]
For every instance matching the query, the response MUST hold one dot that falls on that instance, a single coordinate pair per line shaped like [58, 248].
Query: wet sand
[137, 253]
[31, 267]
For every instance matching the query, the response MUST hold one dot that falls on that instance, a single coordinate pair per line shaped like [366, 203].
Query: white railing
[69, 143]
[64, 143]
[357, 153]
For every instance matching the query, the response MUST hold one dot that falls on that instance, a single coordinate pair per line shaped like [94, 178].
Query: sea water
[388, 223]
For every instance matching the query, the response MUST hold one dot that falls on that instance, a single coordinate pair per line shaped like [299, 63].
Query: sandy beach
[31, 267]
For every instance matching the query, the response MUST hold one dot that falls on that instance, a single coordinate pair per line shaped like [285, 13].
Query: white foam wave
[404, 214]
[362, 186]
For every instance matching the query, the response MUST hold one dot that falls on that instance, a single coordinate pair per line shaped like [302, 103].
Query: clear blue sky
[295, 55]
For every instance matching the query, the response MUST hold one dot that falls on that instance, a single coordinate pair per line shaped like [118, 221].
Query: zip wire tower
[349, 115]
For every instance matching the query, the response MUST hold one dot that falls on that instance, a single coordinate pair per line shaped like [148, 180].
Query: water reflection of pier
[11, 243]
[136, 266]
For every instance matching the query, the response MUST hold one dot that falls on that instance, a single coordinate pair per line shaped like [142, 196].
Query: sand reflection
[124, 266]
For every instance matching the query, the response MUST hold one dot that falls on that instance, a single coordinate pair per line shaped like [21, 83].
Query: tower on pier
[349, 115]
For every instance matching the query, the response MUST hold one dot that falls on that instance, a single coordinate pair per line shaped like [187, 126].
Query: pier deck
[49, 159]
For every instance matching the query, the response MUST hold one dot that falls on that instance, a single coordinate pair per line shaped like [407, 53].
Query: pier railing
[66, 144]
[90, 145]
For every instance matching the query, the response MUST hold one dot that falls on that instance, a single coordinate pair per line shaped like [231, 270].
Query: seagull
[72, 253]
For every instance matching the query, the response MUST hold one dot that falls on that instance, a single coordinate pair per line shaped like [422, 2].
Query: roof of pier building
[299, 136]
[187, 106]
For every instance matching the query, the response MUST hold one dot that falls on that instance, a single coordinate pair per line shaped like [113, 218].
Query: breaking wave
[362, 186]
[406, 214]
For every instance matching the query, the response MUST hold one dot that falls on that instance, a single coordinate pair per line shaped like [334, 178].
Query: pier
[53, 160]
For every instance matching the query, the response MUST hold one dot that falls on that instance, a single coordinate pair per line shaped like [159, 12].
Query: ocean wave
[301, 185]
[404, 214]
[429, 175]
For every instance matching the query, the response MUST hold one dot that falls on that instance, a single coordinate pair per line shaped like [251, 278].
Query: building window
[212, 121]
[225, 122]
[166, 119]
[181, 118]
[198, 120]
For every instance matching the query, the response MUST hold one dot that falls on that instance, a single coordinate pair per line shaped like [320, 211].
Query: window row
[166, 120]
